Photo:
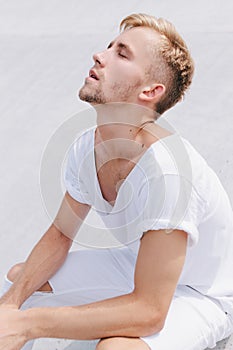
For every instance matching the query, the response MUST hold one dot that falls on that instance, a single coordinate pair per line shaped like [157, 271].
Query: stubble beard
[96, 97]
[124, 92]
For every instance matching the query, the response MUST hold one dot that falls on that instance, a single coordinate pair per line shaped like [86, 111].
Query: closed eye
[122, 55]
[123, 50]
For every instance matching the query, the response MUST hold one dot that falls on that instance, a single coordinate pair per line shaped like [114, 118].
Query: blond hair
[176, 66]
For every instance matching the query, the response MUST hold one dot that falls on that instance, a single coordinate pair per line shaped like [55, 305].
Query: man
[175, 289]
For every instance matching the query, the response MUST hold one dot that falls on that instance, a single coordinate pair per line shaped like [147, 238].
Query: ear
[152, 93]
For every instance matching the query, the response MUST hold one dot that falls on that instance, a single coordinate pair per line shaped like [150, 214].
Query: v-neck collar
[113, 208]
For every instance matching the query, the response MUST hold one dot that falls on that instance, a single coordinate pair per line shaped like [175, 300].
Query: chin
[94, 98]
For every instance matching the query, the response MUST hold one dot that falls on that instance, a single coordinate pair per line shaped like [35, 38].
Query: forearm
[45, 259]
[120, 316]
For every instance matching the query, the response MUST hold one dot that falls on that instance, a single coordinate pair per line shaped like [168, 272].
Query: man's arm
[140, 313]
[49, 253]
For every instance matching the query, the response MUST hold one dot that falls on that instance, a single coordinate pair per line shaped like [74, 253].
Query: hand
[13, 328]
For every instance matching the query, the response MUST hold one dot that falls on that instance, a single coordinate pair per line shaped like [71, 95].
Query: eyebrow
[122, 46]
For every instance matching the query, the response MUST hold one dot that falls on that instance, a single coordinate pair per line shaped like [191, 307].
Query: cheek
[125, 75]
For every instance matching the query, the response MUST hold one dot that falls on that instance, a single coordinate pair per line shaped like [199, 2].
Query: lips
[93, 75]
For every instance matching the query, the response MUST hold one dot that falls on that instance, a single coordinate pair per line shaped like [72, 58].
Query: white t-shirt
[171, 186]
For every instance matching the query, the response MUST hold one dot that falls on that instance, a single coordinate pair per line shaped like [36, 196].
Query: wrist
[37, 322]
[32, 323]
[8, 305]
[9, 299]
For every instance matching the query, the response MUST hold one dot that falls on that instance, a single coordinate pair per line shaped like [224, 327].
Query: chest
[111, 176]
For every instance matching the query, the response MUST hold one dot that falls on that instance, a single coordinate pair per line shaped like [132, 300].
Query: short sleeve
[172, 203]
[74, 183]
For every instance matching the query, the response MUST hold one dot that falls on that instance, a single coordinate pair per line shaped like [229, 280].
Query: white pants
[194, 322]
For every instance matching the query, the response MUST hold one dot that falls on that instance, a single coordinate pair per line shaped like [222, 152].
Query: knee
[104, 344]
[14, 272]
[122, 343]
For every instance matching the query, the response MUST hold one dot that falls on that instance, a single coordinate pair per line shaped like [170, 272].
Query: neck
[122, 120]
[119, 126]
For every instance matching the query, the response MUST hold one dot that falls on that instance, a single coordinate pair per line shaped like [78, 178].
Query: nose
[99, 59]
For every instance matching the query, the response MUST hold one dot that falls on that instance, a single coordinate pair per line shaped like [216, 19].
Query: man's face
[119, 72]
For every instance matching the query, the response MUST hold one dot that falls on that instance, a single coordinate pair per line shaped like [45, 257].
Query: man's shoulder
[83, 141]
[84, 134]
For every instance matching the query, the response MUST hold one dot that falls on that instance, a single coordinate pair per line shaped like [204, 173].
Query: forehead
[139, 39]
